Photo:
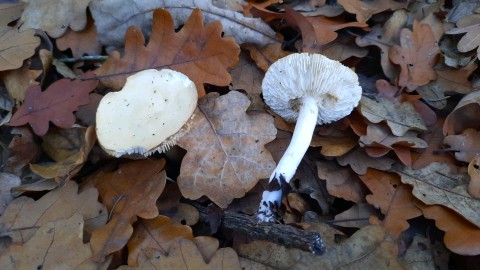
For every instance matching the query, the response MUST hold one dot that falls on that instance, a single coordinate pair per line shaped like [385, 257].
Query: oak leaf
[365, 10]
[23, 216]
[16, 46]
[24, 150]
[184, 254]
[416, 56]
[56, 104]
[226, 155]
[57, 244]
[80, 42]
[356, 216]
[464, 115]
[435, 184]
[465, 145]
[17, 81]
[198, 51]
[169, 204]
[359, 161]
[474, 173]
[7, 182]
[470, 26]
[266, 56]
[127, 192]
[392, 198]
[10, 11]
[55, 17]
[422, 254]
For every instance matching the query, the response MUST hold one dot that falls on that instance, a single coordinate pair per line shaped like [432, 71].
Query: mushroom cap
[149, 114]
[334, 86]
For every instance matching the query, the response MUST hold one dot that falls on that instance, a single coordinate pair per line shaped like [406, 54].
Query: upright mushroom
[309, 89]
[149, 114]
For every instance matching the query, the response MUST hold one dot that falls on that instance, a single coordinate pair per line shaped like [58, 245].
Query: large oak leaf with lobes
[198, 51]
[226, 154]
[56, 104]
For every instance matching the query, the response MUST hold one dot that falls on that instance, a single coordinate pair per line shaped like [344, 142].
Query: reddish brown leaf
[198, 51]
[24, 150]
[82, 42]
[265, 56]
[466, 145]
[416, 56]
[56, 104]
[465, 115]
[474, 173]
[365, 9]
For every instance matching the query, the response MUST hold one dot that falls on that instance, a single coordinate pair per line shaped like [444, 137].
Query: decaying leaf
[81, 42]
[7, 182]
[465, 145]
[420, 254]
[24, 150]
[416, 56]
[393, 199]
[474, 173]
[55, 17]
[127, 192]
[364, 10]
[185, 255]
[464, 115]
[180, 213]
[198, 51]
[369, 248]
[17, 81]
[56, 104]
[158, 234]
[265, 56]
[56, 245]
[23, 216]
[16, 46]
[112, 30]
[356, 216]
[225, 149]
[470, 26]
[359, 161]
[435, 184]
[10, 11]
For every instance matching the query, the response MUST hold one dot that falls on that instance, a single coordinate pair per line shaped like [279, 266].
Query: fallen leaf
[180, 213]
[325, 27]
[356, 216]
[461, 236]
[111, 30]
[416, 56]
[248, 77]
[56, 245]
[341, 182]
[158, 234]
[420, 254]
[7, 182]
[24, 215]
[399, 117]
[266, 56]
[81, 42]
[335, 146]
[185, 255]
[198, 51]
[24, 150]
[127, 192]
[474, 173]
[17, 81]
[56, 104]
[465, 145]
[359, 161]
[468, 25]
[392, 198]
[464, 115]
[69, 148]
[369, 248]
[365, 10]
[16, 46]
[54, 17]
[435, 184]
[10, 12]
[225, 149]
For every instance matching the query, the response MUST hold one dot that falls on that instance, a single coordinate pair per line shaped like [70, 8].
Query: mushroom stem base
[287, 166]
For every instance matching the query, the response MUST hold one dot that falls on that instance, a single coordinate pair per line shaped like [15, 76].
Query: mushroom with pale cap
[309, 89]
[149, 114]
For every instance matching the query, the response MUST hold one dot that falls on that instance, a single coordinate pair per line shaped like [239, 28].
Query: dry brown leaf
[184, 254]
[57, 244]
[461, 236]
[55, 17]
[225, 149]
[420, 254]
[470, 26]
[180, 213]
[359, 161]
[356, 216]
[385, 37]
[158, 234]
[465, 145]
[127, 192]
[248, 77]
[399, 117]
[365, 10]
[265, 56]
[369, 248]
[24, 215]
[10, 12]
[416, 56]
[393, 199]
[341, 182]
[16, 46]
[464, 115]
[24, 150]
[69, 148]
[474, 173]
[335, 146]
[435, 184]
[198, 51]
[7, 182]
[325, 27]
[17, 81]
[81, 42]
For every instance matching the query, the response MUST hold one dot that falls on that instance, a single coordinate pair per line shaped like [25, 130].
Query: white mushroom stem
[286, 167]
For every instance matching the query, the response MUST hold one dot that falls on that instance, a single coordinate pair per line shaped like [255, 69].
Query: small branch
[84, 58]
[277, 233]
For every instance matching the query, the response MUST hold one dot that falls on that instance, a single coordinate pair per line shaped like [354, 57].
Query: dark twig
[84, 58]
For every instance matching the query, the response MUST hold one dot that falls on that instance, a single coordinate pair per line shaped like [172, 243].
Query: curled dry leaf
[127, 192]
[56, 104]
[465, 145]
[184, 254]
[16, 46]
[474, 173]
[393, 199]
[23, 216]
[435, 184]
[416, 56]
[55, 17]
[465, 115]
[198, 51]
[226, 155]
[57, 244]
